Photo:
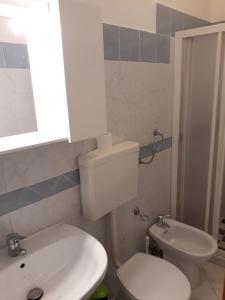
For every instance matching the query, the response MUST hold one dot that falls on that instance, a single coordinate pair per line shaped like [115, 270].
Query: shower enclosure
[198, 155]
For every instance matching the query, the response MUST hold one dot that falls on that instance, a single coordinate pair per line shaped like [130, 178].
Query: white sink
[64, 261]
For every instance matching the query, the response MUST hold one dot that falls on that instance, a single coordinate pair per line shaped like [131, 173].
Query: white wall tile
[64, 207]
[139, 98]
[17, 112]
[24, 168]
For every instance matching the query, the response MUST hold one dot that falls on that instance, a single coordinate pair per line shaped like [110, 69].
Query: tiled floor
[212, 283]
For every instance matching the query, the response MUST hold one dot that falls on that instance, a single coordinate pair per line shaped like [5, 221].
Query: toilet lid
[147, 277]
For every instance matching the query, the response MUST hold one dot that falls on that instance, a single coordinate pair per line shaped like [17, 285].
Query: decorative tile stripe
[169, 20]
[156, 147]
[14, 56]
[34, 193]
[14, 200]
[125, 44]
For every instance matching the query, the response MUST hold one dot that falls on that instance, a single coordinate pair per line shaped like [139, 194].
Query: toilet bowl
[145, 277]
[184, 246]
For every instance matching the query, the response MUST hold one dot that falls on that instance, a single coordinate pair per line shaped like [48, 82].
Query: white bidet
[184, 246]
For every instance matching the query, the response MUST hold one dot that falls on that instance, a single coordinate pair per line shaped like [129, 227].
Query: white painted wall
[217, 10]
[140, 14]
[196, 8]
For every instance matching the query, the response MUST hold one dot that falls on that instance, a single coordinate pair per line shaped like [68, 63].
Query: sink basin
[64, 261]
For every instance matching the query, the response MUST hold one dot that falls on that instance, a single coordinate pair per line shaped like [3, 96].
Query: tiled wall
[139, 80]
[169, 20]
[17, 110]
[126, 44]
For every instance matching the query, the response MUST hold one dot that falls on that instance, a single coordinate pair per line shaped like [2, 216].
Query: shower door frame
[180, 38]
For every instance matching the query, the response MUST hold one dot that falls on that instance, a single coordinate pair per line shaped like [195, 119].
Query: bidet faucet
[161, 222]
[13, 244]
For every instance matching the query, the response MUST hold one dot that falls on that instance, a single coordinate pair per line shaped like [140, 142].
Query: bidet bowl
[185, 246]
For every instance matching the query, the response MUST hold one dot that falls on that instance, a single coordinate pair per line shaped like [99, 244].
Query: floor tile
[205, 291]
[215, 275]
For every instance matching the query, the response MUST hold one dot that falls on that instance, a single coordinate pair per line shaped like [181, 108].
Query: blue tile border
[126, 44]
[25, 196]
[169, 20]
[157, 147]
[14, 56]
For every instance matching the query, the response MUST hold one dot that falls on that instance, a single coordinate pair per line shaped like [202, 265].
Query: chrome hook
[157, 132]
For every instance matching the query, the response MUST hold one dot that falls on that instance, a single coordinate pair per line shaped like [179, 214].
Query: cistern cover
[147, 277]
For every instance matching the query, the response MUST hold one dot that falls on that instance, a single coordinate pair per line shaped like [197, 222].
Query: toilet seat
[147, 277]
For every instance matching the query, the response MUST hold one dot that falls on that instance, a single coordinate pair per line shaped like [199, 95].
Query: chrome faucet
[161, 222]
[13, 244]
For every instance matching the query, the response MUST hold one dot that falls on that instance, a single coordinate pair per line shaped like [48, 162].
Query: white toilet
[109, 178]
[145, 277]
[184, 246]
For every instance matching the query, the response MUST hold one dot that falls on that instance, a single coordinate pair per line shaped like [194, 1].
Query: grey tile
[156, 147]
[177, 21]
[54, 185]
[148, 47]
[15, 56]
[46, 188]
[192, 22]
[129, 44]
[163, 19]
[63, 184]
[73, 176]
[163, 49]
[2, 63]
[111, 42]
[20, 198]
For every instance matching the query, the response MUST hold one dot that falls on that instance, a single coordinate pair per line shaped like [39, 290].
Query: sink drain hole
[35, 294]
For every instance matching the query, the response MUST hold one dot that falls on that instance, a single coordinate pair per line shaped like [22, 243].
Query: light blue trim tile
[163, 49]
[177, 21]
[163, 19]
[46, 188]
[157, 147]
[111, 42]
[192, 22]
[15, 56]
[73, 176]
[148, 47]
[17, 199]
[14, 200]
[2, 63]
[63, 184]
[129, 44]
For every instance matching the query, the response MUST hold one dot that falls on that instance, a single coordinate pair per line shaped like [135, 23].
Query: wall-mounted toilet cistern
[109, 179]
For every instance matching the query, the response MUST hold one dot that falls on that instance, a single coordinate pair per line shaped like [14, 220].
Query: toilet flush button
[35, 294]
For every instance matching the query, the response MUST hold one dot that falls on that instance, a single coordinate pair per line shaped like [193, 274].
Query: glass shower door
[198, 125]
